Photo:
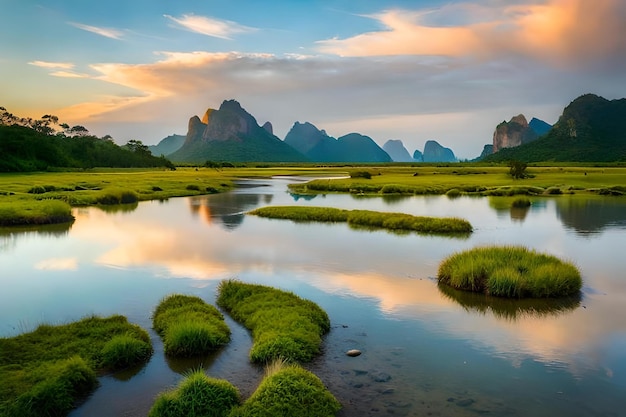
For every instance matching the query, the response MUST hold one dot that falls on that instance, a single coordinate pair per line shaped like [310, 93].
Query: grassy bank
[46, 371]
[189, 326]
[283, 325]
[460, 179]
[28, 212]
[367, 218]
[197, 396]
[286, 391]
[510, 271]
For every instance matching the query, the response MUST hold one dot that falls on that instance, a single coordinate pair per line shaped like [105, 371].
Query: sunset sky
[410, 70]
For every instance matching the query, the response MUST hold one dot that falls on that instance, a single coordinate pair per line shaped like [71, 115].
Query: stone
[353, 352]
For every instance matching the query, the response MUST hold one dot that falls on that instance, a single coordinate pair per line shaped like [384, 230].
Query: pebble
[353, 352]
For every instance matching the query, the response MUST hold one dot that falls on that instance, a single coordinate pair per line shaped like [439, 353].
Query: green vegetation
[283, 325]
[45, 371]
[197, 396]
[25, 212]
[189, 326]
[366, 218]
[510, 271]
[521, 202]
[286, 391]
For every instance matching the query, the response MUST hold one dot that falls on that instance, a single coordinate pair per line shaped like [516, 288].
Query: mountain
[591, 129]
[232, 134]
[434, 152]
[167, 145]
[317, 146]
[539, 126]
[397, 151]
[513, 133]
[418, 156]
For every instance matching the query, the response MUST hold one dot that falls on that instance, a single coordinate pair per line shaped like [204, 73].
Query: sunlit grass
[28, 212]
[45, 371]
[198, 395]
[510, 271]
[189, 326]
[283, 325]
[367, 218]
[288, 390]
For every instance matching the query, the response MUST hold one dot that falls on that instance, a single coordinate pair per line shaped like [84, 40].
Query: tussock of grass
[45, 371]
[287, 391]
[124, 351]
[34, 212]
[117, 196]
[510, 271]
[367, 218]
[197, 396]
[283, 325]
[189, 326]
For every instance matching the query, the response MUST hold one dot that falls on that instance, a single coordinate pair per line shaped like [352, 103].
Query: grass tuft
[124, 351]
[189, 326]
[510, 271]
[197, 396]
[284, 326]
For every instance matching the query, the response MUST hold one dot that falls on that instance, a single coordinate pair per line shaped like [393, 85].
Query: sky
[415, 70]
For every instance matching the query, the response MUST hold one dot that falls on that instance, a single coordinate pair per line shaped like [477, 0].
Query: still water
[426, 350]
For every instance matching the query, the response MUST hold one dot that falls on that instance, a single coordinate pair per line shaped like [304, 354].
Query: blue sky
[410, 70]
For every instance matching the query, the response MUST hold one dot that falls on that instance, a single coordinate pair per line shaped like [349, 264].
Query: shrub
[361, 174]
[189, 326]
[286, 391]
[197, 396]
[553, 191]
[283, 325]
[510, 271]
[117, 196]
[453, 193]
[193, 187]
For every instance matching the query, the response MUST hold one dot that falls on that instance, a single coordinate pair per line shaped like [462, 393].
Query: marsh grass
[197, 395]
[44, 372]
[510, 271]
[367, 219]
[283, 325]
[288, 390]
[28, 212]
[189, 326]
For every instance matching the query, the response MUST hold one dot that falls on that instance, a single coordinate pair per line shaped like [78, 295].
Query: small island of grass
[189, 326]
[510, 271]
[44, 372]
[283, 325]
[28, 212]
[367, 218]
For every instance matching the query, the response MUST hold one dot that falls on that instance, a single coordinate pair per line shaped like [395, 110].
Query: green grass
[189, 326]
[510, 271]
[45, 371]
[283, 325]
[22, 213]
[288, 391]
[197, 396]
[367, 218]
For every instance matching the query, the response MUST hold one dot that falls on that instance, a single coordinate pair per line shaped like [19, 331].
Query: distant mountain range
[232, 134]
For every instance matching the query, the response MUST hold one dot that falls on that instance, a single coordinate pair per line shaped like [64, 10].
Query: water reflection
[510, 309]
[590, 215]
[226, 209]
[10, 235]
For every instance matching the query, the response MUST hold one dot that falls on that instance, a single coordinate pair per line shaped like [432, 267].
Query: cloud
[209, 26]
[58, 264]
[559, 32]
[47, 64]
[68, 74]
[106, 32]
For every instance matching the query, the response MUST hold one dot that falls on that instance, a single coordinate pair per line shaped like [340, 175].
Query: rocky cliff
[397, 151]
[167, 145]
[232, 134]
[434, 152]
[513, 133]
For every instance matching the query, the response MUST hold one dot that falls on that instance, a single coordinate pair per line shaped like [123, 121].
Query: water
[426, 350]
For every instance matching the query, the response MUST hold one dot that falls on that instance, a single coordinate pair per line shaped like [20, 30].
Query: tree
[517, 169]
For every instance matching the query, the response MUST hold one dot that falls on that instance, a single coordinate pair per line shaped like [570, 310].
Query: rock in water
[353, 352]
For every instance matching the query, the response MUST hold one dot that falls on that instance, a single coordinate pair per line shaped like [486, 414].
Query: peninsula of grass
[283, 325]
[27, 213]
[189, 326]
[197, 396]
[510, 271]
[367, 218]
[289, 390]
[45, 372]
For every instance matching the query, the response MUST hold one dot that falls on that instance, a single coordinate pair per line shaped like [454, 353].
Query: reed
[189, 326]
[510, 271]
[283, 325]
